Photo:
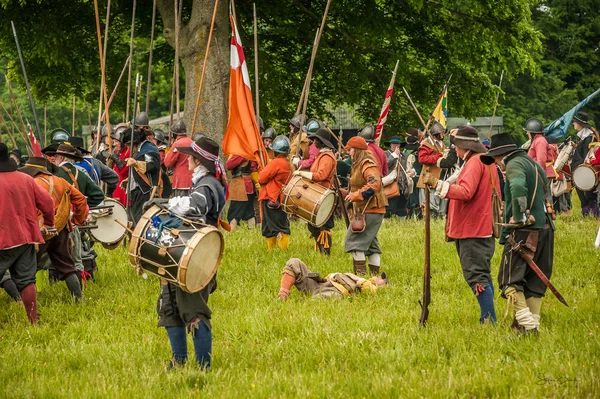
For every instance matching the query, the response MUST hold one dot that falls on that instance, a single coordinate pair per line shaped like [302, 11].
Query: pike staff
[495, 105]
[130, 64]
[150, 57]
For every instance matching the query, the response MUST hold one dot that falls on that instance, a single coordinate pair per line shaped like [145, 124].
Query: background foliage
[549, 49]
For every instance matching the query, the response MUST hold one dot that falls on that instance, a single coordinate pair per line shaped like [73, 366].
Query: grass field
[367, 346]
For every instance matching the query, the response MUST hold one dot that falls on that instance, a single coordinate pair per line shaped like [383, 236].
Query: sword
[518, 248]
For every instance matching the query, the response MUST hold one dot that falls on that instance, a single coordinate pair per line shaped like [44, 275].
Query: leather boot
[374, 270]
[360, 267]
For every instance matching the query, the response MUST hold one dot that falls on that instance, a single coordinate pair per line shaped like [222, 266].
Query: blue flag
[559, 127]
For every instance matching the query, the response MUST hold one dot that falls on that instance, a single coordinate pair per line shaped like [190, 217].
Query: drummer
[321, 172]
[178, 309]
[275, 224]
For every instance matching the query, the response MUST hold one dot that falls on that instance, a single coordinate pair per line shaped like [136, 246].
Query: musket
[495, 105]
[37, 124]
[518, 248]
[426, 264]
[336, 182]
[130, 175]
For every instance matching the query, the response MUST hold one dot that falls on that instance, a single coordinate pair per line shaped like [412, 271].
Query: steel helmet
[281, 145]
[59, 136]
[117, 133]
[313, 125]
[367, 132]
[269, 133]
[178, 128]
[296, 120]
[160, 136]
[261, 124]
[142, 120]
[437, 129]
[534, 125]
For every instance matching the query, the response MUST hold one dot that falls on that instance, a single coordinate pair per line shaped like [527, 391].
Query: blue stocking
[178, 340]
[486, 304]
[202, 337]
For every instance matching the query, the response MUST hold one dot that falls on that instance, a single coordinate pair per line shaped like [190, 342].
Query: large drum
[181, 251]
[585, 177]
[108, 231]
[309, 201]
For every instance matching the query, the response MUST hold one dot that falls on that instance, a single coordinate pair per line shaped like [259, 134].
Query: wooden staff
[212, 26]
[21, 133]
[13, 102]
[103, 62]
[73, 119]
[427, 262]
[178, 11]
[256, 64]
[173, 84]
[45, 130]
[114, 92]
[150, 58]
[495, 106]
[131, 63]
[335, 137]
[8, 132]
[303, 94]
[103, 80]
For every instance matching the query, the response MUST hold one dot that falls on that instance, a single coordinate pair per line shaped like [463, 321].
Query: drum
[183, 252]
[309, 201]
[108, 231]
[585, 177]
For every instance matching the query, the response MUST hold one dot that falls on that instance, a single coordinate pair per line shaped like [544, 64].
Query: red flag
[35, 145]
[242, 136]
[386, 107]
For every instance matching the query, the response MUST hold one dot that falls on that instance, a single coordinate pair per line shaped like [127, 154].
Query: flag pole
[256, 64]
[131, 63]
[148, 84]
[495, 105]
[31, 102]
[385, 109]
[198, 96]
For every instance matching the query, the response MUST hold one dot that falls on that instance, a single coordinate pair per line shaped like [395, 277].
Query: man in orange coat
[65, 197]
[322, 172]
[277, 173]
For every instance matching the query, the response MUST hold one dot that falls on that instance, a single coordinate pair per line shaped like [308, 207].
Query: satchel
[392, 190]
[558, 187]
[496, 206]
[358, 224]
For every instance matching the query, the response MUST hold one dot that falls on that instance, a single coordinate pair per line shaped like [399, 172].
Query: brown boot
[360, 267]
[374, 270]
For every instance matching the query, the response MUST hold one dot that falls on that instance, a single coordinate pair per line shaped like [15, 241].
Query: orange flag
[242, 136]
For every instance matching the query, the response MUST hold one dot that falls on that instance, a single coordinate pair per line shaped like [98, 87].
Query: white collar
[199, 172]
[584, 133]
[325, 149]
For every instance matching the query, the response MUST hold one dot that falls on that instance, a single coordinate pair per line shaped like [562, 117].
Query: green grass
[366, 346]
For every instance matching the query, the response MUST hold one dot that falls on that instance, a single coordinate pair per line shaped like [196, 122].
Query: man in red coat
[20, 199]
[368, 133]
[120, 153]
[470, 221]
[178, 162]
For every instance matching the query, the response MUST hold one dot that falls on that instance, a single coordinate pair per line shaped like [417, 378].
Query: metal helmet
[269, 133]
[437, 129]
[296, 120]
[160, 136]
[367, 132]
[313, 125]
[261, 124]
[105, 130]
[95, 128]
[534, 125]
[178, 128]
[59, 135]
[142, 119]
[281, 145]
[117, 133]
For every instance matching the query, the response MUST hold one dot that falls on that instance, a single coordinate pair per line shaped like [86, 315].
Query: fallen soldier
[337, 285]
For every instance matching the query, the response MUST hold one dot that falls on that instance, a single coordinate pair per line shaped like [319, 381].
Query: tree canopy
[545, 48]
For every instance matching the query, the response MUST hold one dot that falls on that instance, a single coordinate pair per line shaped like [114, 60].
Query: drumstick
[122, 225]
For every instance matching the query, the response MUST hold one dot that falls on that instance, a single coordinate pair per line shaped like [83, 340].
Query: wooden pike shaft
[114, 92]
[13, 101]
[427, 262]
[131, 63]
[256, 64]
[21, 133]
[148, 84]
[103, 62]
[199, 95]
[495, 106]
[303, 94]
[414, 106]
[73, 119]
[103, 80]
[45, 127]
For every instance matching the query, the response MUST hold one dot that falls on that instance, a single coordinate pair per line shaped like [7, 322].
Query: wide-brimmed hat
[77, 142]
[502, 143]
[412, 131]
[467, 138]
[207, 151]
[358, 143]
[50, 148]
[323, 136]
[582, 118]
[395, 140]
[36, 165]
[412, 143]
[68, 151]
[7, 164]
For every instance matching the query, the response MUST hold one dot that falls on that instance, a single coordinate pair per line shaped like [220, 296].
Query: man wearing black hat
[396, 162]
[322, 172]
[178, 309]
[585, 136]
[66, 199]
[98, 171]
[413, 204]
[471, 194]
[20, 229]
[529, 224]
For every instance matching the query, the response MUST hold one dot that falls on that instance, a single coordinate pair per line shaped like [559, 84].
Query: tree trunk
[212, 112]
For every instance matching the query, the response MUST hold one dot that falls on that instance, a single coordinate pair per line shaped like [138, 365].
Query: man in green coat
[527, 221]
